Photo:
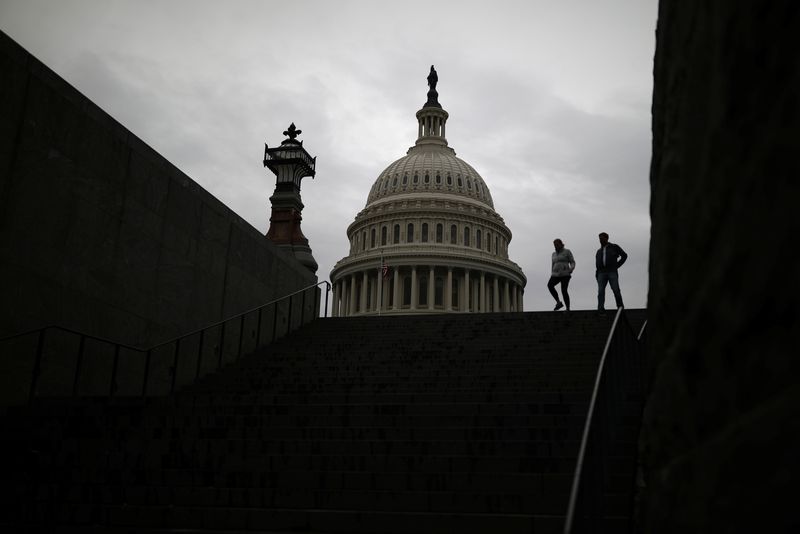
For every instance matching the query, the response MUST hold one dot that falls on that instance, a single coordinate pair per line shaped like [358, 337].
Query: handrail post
[200, 353]
[241, 337]
[303, 309]
[289, 316]
[146, 371]
[274, 321]
[258, 329]
[78, 365]
[112, 388]
[37, 366]
[175, 365]
[221, 344]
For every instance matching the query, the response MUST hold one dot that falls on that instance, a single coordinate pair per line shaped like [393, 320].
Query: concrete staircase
[437, 424]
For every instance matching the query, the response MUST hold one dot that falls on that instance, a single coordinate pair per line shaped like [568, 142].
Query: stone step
[471, 424]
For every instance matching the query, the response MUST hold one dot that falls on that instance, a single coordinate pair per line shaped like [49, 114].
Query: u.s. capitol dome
[428, 239]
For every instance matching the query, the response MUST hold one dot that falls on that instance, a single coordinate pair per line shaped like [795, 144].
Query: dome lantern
[432, 117]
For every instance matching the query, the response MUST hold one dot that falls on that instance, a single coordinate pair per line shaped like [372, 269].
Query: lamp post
[290, 163]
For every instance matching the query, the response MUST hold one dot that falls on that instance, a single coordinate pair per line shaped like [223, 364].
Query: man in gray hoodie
[562, 266]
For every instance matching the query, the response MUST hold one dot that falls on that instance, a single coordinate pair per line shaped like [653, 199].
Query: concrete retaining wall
[101, 234]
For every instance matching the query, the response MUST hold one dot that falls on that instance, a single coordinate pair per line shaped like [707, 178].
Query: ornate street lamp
[291, 163]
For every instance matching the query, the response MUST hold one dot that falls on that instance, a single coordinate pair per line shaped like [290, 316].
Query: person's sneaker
[558, 306]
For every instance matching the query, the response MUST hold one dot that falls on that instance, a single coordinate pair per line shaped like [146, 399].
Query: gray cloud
[548, 101]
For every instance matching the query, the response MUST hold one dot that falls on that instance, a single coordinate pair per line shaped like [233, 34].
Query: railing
[620, 379]
[58, 362]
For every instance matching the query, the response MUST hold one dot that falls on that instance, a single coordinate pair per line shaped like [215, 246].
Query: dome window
[449, 180]
[438, 179]
[460, 182]
[439, 233]
[416, 178]
[405, 179]
[478, 243]
[427, 178]
[424, 236]
[453, 235]
[467, 240]
[384, 231]
[396, 234]
[394, 182]
[488, 242]
[372, 238]
[410, 233]
[469, 184]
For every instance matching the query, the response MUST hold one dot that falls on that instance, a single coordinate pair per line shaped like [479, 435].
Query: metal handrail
[131, 347]
[117, 347]
[590, 424]
[257, 308]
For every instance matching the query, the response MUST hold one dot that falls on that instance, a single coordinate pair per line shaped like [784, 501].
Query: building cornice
[414, 255]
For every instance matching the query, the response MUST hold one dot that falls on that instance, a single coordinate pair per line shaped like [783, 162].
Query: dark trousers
[604, 279]
[564, 281]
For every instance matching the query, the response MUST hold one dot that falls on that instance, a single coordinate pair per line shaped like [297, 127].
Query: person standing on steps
[563, 263]
[608, 259]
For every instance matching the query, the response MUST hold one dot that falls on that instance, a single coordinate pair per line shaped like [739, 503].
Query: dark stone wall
[101, 234]
[722, 425]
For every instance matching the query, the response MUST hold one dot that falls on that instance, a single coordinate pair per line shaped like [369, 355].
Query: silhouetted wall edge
[722, 424]
[100, 233]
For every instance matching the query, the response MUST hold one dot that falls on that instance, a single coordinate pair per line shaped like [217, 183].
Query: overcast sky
[548, 100]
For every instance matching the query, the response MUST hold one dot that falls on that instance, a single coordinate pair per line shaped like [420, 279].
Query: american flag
[385, 269]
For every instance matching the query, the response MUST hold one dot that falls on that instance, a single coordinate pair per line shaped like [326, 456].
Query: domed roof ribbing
[430, 169]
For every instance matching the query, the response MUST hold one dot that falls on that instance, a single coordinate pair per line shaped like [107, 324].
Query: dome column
[514, 297]
[482, 294]
[352, 300]
[396, 290]
[431, 288]
[465, 301]
[335, 307]
[506, 296]
[496, 303]
[414, 288]
[343, 298]
[363, 304]
[383, 291]
[448, 296]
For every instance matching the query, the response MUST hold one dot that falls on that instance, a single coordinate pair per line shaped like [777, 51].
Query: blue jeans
[602, 280]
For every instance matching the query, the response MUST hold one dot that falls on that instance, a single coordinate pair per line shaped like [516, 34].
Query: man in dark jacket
[609, 258]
